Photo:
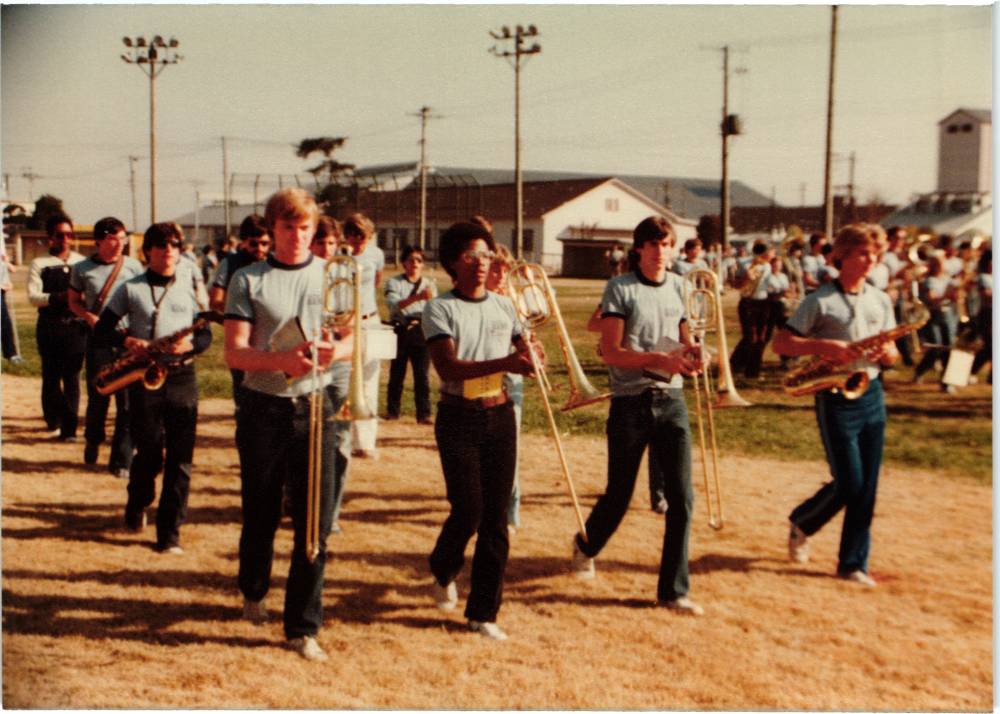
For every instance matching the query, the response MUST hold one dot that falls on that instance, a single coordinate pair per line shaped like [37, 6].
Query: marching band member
[640, 308]
[358, 232]
[753, 310]
[692, 258]
[825, 324]
[269, 307]
[324, 246]
[496, 282]
[163, 421]
[61, 335]
[254, 245]
[406, 295]
[937, 292]
[984, 318]
[469, 332]
[91, 283]
[813, 262]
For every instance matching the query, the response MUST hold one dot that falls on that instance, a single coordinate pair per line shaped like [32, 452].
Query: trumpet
[819, 374]
[533, 299]
[701, 305]
[152, 366]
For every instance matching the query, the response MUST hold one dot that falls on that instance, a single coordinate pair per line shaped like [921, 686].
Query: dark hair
[455, 240]
[652, 228]
[893, 230]
[327, 226]
[107, 227]
[944, 241]
[826, 249]
[816, 238]
[409, 250]
[159, 234]
[760, 247]
[253, 226]
[54, 220]
[692, 243]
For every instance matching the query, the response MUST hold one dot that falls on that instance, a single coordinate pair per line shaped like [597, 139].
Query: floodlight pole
[517, 53]
[152, 58]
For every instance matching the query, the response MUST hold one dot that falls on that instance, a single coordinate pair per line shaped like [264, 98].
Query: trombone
[726, 394]
[341, 287]
[702, 306]
[534, 301]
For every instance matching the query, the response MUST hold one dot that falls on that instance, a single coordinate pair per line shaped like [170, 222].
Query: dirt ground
[93, 618]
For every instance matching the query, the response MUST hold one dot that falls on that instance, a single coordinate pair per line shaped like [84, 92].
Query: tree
[329, 191]
[46, 205]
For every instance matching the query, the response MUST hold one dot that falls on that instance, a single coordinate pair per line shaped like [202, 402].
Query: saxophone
[755, 274]
[153, 366]
[820, 373]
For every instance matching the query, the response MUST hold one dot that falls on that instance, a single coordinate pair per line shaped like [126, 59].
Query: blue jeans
[853, 434]
[657, 419]
[272, 435]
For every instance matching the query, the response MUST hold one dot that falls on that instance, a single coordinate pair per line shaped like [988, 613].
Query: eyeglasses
[473, 256]
[168, 244]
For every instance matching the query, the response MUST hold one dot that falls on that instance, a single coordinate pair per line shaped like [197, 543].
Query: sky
[616, 89]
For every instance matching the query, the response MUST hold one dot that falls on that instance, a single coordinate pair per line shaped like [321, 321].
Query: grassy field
[927, 429]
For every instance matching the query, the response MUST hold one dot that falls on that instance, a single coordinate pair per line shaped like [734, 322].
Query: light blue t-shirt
[90, 275]
[651, 311]
[830, 313]
[399, 288]
[482, 328]
[282, 299]
[370, 261]
[154, 310]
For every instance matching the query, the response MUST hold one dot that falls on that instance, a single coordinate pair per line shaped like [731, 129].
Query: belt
[453, 400]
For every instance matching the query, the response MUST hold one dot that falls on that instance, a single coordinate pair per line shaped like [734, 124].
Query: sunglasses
[473, 256]
[167, 244]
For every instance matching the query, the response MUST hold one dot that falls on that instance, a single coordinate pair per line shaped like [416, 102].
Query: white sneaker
[583, 565]
[254, 612]
[860, 577]
[798, 545]
[683, 606]
[490, 630]
[309, 648]
[445, 596]
[173, 550]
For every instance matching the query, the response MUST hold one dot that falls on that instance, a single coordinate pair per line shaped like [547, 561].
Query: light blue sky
[616, 89]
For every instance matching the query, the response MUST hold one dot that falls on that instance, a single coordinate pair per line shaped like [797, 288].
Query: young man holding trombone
[275, 332]
[641, 308]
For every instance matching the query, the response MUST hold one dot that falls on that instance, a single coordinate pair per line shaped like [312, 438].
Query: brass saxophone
[820, 373]
[153, 366]
[755, 274]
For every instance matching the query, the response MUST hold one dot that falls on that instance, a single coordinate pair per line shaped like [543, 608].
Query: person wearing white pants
[358, 232]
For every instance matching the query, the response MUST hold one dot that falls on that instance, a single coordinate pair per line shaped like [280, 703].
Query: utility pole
[802, 193]
[131, 183]
[517, 53]
[827, 194]
[424, 114]
[152, 58]
[225, 187]
[197, 206]
[730, 126]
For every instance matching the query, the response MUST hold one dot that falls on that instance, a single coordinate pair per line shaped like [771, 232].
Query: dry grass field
[93, 618]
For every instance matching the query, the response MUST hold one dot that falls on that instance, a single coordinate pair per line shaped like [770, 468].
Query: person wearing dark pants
[754, 311]
[275, 333]
[469, 333]
[406, 296]
[61, 336]
[827, 324]
[163, 421]
[92, 282]
[646, 344]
